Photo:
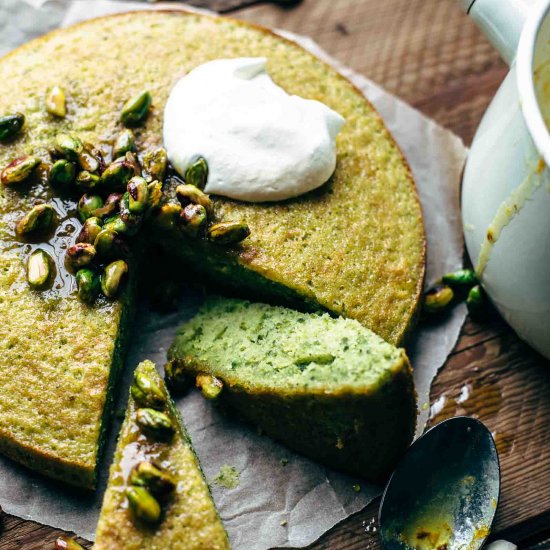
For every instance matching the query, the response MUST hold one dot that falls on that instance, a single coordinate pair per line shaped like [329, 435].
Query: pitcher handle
[501, 21]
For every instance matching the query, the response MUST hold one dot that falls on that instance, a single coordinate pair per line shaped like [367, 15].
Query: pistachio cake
[157, 497]
[354, 247]
[328, 388]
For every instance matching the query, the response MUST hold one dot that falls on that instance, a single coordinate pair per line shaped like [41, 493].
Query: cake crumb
[228, 477]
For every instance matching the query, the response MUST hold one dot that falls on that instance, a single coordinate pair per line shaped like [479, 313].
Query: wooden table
[431, 55]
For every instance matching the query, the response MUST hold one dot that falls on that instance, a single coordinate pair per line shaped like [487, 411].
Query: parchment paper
[274, 504]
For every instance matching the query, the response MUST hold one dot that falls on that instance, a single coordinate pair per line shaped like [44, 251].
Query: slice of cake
[157, 497]
[328, 388]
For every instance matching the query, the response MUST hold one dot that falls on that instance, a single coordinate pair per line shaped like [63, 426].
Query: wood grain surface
[431, 55]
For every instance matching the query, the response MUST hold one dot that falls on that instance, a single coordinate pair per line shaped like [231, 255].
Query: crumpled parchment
[283, 499]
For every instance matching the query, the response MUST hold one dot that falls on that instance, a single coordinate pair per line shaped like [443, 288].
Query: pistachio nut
[109, 206]
[109, 245]
[39, 268]
[80, 255]
[87, 181]
[19, 170]
[62, 173]
[90, 230]
[10, 125]
[55, 101]
[88, 161]
[138, 194]
[154, 194]
[476, 303]
[87, 205]
[68, 146]
[209, 385]
[143, 504]
[66, 543]
[88, 285]
[461, 278]
[438, 299]
[197, 173]
[167, 215]
[154, 164]
[189, 194]
[112, 278]
[124, 142]
[194, 219]
[136, 109]
[39, 220]
[227, 233]
[146, 392]
[130, 219]
[119, 226]
[176, 376]
[155, 424]
[157, 480]
[117, 175]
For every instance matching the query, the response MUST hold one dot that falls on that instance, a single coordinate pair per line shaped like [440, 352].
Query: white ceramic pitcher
[506, 187]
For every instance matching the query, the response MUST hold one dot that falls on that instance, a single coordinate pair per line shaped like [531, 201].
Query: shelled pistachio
[19, 170]
[138, 194]
[87, 206]
[68, 146]
[438, 299]
[117, 175]
[66, 543]
[124, 142]
[155, 424]
[227, 233]
[80, 255]
[109, 245]
[109, 206]
[39, 219]
[209, 385]
[477, 303]
[194, 219]
[143, 504]
[86, 181]
[146, 392]
[56, 101]
[136, 108]
[154, 164]
[197, 173]
[189, 194]
[11, 125]
[88, 285]
[461, 278]
[39, 268]
[88, 161]
[154, 194]
[62, 174]
[90, 230]
[113, 277]
[167, 215]
[157, 480]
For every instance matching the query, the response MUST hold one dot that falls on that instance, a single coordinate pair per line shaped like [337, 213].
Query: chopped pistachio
[66, 543]
[124, 142]
[154, 164]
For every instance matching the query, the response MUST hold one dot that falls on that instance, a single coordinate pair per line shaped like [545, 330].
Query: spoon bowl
[444, 493]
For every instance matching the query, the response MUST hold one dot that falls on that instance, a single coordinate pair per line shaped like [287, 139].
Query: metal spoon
[444, 493]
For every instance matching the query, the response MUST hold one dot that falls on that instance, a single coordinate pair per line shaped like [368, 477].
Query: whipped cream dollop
[260, 143]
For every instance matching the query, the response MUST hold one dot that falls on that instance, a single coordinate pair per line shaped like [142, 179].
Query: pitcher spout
[501, 21]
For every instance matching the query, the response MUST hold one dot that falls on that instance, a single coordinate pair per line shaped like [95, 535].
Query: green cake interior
[286, 350]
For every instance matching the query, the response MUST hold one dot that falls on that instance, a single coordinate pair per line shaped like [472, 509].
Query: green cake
[157, 497]
[328, 388]
[354, 247]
